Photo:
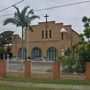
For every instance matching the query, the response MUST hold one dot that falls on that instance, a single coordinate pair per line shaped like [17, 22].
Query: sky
[70, 15]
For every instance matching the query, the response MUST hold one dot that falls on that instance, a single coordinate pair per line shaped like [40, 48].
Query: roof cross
[46, 16]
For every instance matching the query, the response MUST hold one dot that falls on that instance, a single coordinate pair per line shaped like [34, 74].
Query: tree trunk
[27, 42]
[22, 44]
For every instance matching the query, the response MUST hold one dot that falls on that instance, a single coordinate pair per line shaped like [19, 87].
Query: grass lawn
[50, 81]
[4, 87]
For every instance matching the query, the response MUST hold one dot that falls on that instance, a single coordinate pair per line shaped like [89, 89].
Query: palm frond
[24, 11]
[30, 12]
[30, 28]
[16, 8]
[22, 18]
[33, 17]
[11, 20]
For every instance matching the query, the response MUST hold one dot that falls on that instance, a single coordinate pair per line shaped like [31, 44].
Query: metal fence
[42, 69]
[14, 66]
[42, 66]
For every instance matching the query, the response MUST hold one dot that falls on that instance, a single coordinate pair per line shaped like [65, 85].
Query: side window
[62, 36]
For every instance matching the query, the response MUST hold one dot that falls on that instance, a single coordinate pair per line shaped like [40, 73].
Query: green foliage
[87, 33]
[6, 37]
[82, 50]
[83, 47]
[68, 64]
[84, 19]
[85, 53]
[2, 52]
[68, 52]
[86, 22]
[22, 18]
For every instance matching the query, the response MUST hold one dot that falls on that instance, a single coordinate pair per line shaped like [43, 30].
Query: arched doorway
[36, 53]
[22, 54]
[51, 53]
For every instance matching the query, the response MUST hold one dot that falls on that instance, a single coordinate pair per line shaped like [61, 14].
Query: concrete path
[56, 86]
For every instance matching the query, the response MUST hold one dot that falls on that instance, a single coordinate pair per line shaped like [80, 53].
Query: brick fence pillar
[27, 71]
[2, 68]
[56, 70]
[87, 72]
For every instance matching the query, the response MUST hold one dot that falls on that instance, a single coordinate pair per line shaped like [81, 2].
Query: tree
[68, 52]
[22, 19]
[6, 37]
[1, 44]
[82, 50]
[2, 52]
[86, 22]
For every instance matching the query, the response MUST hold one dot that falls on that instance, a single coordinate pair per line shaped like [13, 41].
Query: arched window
[36, 53]
[22, 54]
[51, 53]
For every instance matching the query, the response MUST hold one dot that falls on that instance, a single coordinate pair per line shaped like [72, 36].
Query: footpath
[40, 85]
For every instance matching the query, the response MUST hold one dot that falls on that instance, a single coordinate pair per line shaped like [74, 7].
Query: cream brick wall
[35, 38]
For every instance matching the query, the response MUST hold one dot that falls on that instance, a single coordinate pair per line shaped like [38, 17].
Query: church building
[48, 40]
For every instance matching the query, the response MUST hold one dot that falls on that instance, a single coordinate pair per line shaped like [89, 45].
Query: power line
[6, 15]
[70, 4]
[11, 6]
